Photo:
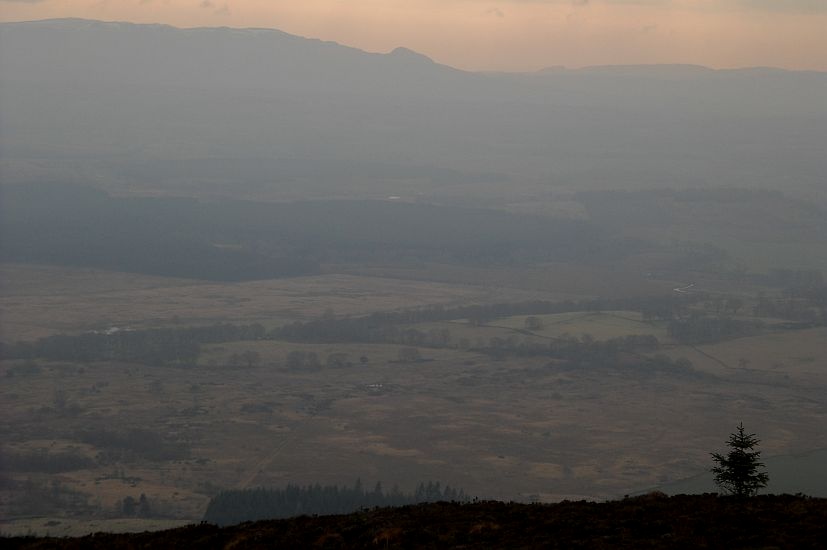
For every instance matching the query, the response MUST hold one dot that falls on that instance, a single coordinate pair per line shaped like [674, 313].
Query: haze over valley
[240, 258]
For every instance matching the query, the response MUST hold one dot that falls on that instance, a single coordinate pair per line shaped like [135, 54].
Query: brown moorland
[650, 521]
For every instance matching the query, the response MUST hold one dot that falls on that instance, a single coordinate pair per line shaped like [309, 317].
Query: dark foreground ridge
[651, 521]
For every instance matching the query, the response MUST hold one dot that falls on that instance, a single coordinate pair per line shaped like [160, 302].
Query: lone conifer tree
[737, 472]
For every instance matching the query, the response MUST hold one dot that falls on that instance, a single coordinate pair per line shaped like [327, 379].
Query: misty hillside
[92, 101]
[240, 240]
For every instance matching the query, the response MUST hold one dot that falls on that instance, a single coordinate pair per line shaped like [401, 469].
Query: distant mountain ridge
[72, 49]
[399, 53]
[91, 91]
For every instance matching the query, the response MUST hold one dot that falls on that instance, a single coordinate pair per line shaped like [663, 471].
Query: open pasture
[791, 355]
[38, 301]
[559, 280]
[247, 414]
[511, 429]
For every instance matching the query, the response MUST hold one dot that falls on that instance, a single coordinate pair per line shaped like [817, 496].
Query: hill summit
[650, 521]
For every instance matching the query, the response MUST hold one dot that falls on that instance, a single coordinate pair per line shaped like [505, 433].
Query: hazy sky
[506, 34]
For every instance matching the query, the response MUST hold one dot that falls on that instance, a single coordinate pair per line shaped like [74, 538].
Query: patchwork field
[505, 430]
[39, 300]
[784, 356]
[511, 427]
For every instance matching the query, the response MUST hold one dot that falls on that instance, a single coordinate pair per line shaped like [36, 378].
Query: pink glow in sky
[506, 34]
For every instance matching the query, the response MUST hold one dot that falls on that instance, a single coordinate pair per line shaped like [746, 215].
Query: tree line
[698, 329]
[182, 346]
[236, 506]
[117, 446]
[161, 346]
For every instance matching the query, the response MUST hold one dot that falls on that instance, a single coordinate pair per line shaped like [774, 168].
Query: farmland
[518, 424]
[324, 278]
